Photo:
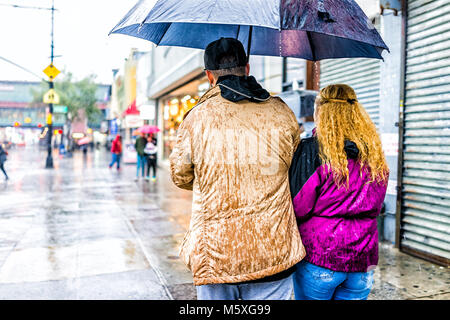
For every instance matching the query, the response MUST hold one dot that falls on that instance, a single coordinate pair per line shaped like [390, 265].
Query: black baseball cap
[223, 47]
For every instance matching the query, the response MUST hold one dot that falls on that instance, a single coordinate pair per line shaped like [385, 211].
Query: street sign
[51, 97]
[60, 109]
[51, 71]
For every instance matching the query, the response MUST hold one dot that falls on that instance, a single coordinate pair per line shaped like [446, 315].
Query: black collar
[236, 88]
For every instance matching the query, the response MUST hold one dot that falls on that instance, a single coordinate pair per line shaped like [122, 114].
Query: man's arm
[181, 166]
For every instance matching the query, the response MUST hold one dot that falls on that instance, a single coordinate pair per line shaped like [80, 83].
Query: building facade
[22, 120]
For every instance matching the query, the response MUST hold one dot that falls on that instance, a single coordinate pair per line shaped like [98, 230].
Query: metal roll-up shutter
[363, 75]
[425, 187]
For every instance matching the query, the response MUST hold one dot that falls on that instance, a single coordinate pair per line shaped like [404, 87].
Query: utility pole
[52, 72]
[49, 162]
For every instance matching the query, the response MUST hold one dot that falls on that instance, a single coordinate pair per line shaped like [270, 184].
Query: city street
[84, 231]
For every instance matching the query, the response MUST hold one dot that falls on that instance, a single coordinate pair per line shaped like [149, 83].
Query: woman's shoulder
[308, 141]
[308, 145]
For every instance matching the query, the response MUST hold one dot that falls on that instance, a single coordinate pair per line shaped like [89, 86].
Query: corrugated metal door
[363, 75]
[425, 216]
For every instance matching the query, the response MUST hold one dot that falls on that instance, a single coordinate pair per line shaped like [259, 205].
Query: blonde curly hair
[340, 117]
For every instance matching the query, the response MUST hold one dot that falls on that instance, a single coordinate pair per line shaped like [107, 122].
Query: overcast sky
[81, 37]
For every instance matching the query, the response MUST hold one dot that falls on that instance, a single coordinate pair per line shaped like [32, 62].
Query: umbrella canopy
[147, 129]
[84, 140]
[308, 29]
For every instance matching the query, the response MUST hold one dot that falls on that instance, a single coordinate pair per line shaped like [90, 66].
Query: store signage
[148, 111]
[114, 128]
[390, 144]
[392, 187]
[133, 121]
[6, 88]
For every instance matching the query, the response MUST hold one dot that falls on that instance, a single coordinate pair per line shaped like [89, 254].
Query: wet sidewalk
[83, 231]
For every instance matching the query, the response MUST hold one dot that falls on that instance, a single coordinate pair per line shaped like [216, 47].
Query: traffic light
[16, 124]
[40, 125]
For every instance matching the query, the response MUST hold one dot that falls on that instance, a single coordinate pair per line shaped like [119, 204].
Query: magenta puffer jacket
[338, 226]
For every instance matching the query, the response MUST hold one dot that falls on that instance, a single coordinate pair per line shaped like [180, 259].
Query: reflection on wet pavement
[83, 231]
[82, 220]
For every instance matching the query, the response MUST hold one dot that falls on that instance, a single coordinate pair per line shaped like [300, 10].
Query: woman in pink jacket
[338, 181]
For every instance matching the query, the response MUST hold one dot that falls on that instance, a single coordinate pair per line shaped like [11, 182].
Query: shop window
[174, 110]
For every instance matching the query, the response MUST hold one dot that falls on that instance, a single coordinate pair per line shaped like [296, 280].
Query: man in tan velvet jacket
[233, 151]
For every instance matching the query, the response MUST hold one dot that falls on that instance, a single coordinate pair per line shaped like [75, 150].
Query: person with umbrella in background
[151, 153]
[139, 145]
[116, 151]
[243, 242]
[83, 143]
[3, 157]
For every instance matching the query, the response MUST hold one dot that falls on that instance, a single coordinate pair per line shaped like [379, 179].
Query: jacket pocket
[319, 273]
[367, 279]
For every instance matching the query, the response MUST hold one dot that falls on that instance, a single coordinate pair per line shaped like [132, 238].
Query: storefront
[424, 206]
[174, 106]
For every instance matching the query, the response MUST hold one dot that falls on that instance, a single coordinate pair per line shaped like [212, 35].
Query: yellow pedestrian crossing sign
[51, 97]
[51, 71]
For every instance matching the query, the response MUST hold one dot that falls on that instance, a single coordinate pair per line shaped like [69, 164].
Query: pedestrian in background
[3, 157]
[151, 153]
[139, 145]
[243, 241]
[338, 182]
[116, 151]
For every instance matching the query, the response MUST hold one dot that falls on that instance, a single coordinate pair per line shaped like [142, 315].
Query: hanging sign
[51, 97]
[51, 71]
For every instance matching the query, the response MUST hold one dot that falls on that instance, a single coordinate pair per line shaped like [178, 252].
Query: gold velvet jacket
[235, 157]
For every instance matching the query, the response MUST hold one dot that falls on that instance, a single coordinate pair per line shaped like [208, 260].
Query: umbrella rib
[249, 43]
[160, 39]
[311, 45]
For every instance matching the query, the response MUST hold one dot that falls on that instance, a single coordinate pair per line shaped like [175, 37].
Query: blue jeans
[312, 282]
[141, 161]
[275, 290]
[115, 159]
